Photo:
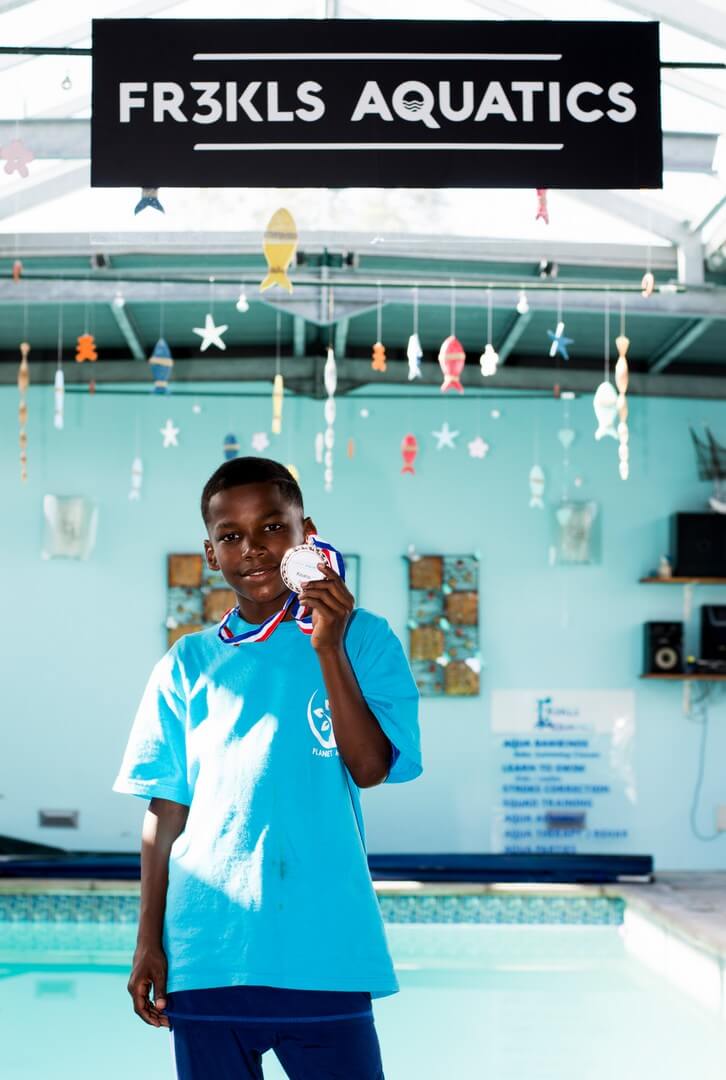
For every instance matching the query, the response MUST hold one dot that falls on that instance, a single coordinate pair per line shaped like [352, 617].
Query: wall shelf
[683, 581]
[686, 677]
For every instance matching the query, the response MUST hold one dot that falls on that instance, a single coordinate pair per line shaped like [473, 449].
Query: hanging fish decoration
[86, 348]
[409, 451]
[543, 213]
[162, 363]
[451, 360]
[414, 352]
[17, 270]
[279, 246]
[621, 381]
[59, 395]
[149, 197]
[137, 477]
[230, 447]
[351, 448]
[536, 487]
[605, 404]
[330, 373]
[621, 368]
[278, 391]
[378, 357]
[319, 447]
[23, 384]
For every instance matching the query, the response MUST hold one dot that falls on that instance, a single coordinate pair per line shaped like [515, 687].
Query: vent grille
[58, 819]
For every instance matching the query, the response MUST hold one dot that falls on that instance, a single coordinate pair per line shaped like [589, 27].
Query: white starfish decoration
[445, 437]
[170, 433]
[478, 448]
[260, 441]
[211, 334]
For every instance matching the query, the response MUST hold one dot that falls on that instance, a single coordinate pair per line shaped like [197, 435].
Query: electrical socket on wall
[721, 818]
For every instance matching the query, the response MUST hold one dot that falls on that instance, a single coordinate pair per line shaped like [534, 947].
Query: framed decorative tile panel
[443, 622]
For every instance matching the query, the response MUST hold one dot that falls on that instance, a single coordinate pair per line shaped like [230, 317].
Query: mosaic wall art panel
[443, 623]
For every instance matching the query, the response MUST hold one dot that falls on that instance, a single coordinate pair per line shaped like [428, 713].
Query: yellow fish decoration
[279, 246]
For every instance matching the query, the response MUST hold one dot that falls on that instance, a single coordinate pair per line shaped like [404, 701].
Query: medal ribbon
[303, 616]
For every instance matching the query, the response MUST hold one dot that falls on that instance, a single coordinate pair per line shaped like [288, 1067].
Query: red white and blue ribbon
[303, 615]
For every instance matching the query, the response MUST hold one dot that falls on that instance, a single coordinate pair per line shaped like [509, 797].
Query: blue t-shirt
[269, 882]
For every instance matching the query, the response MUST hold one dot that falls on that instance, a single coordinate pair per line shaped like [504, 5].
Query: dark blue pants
[222, 1033]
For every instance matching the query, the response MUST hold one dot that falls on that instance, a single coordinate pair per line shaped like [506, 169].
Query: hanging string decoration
[23, 385]
[59, 382]
[161, 363]
[242, 304]
[543, 213]
[137, 479]
[621, 381]
[605, 402]
[17, 270]
[414, 352]
[278, 386]
[279, 246]
[209, 333]
[330, 380]
[536, 487]
[86, 348]
[647, 284]
[489, 359]
[149, 197]
[522, 303]
[378, 355]
[319, 447]
[451, 354]
[230, 447]
[409, 451]
[17, 157]
[559, 341]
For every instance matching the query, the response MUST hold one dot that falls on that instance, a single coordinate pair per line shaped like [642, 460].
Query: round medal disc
[301, 564]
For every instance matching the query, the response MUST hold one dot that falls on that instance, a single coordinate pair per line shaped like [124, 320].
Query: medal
[298, 564]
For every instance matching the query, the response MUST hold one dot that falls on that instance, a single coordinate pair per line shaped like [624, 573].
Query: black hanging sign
[372, 103]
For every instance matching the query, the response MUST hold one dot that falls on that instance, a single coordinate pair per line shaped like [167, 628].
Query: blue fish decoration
[231, 447]
[149, 197]
[162, 363]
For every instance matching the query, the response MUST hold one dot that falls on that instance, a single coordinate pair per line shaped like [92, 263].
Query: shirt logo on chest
[320, 722]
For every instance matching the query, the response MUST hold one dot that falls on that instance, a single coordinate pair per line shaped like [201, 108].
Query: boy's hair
[251, 470]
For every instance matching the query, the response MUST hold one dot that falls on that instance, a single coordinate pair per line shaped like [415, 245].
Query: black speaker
[699, 545]
[713, 632]
[663, 653]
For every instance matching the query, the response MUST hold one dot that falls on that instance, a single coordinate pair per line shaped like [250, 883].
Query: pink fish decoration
[542, 210]
[451, 360]
[409, 450]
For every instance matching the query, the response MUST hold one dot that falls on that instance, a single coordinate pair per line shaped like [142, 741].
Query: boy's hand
[331, 603]
[149, 969]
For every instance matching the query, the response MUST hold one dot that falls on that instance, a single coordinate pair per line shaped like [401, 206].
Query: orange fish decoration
[17, 270]
[378, 361]
[409, 451]
[351, 448]
[86, 348]
[451, 360]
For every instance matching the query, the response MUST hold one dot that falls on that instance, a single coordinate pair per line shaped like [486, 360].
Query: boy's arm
[164, 821]
[362, 744]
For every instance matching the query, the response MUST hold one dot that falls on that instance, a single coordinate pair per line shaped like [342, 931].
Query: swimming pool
[494, 996]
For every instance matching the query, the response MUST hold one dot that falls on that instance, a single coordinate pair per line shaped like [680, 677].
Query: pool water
[477, 1002]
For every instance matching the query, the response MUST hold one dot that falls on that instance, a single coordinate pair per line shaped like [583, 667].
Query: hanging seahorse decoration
[23, 384]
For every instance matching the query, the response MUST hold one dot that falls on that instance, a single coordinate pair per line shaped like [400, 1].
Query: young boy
[259, 927]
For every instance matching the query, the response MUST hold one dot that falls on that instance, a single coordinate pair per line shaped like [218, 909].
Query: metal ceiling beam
[677, 345]
[71, 35]
[688, 84]
[514, 332]
[686, 151]
[8, 5]
[414, 246]
[641, 214]
[694, 18]
[300, 375]
[126, 326]
[28, 195]
[709, 302]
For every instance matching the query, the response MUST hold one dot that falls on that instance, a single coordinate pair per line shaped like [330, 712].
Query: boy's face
[250, 528]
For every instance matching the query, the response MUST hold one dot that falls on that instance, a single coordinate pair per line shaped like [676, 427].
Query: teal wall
[78, 639]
